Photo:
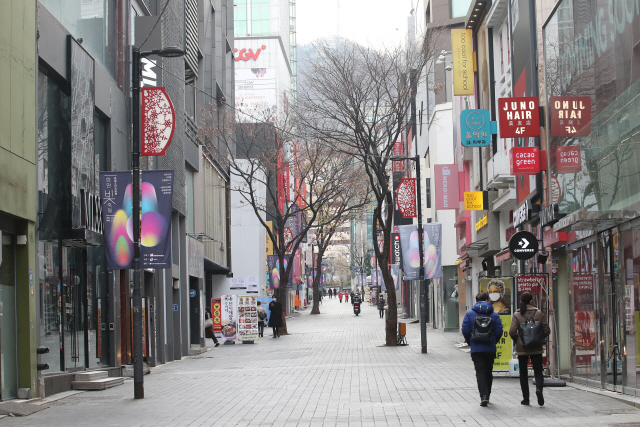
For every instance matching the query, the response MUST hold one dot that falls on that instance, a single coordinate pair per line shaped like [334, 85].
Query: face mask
[494, 297]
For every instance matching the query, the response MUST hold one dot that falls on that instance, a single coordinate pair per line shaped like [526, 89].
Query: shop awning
[503, 255]
[594, 220]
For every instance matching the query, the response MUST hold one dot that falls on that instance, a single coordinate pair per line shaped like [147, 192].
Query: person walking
[381, 306]
[529, 315]
[481, 329]
[262, 316]
[346, 297]
[340, 297]
[275, 320]
[208, 327]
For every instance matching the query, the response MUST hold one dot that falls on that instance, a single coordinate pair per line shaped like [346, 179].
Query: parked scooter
[356, 301]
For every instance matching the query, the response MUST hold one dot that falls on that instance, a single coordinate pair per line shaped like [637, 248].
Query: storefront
[593, 88]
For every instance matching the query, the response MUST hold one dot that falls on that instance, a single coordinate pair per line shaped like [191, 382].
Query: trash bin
[402, 329]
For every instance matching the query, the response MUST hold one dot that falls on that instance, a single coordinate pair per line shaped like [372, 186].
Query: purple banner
[432, 251]
[115, 192]
[410, 251]
[274, 271]
[155, 231]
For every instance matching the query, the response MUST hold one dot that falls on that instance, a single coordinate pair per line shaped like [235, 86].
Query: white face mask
[494, 297]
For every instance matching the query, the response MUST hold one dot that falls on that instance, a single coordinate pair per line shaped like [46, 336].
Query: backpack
[262, 315]
[482, 330]
[530, 333]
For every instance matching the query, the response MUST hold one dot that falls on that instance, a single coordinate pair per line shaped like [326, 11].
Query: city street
[331, 371]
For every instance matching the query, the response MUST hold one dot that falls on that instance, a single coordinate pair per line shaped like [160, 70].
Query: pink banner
[446, 186]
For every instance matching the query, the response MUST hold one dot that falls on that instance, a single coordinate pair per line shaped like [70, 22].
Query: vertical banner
[585, 319]
[499, 290]
[247, 317]
[432, 251]
[155, 230]
[410, 251]
[228, 317]
[447, 193]
[274, 271]
[395, 273]
[115, 194]
[216, 314]
[406, 198]
[462, 52]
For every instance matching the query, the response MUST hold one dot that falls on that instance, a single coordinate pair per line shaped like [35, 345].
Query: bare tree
[358, 99]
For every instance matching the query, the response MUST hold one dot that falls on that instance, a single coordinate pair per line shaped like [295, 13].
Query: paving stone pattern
[331, 371]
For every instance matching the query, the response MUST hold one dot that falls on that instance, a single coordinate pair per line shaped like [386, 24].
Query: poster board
[247, 317]
[228, 316]
[499, 290]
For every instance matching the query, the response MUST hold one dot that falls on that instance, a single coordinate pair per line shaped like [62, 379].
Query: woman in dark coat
[275, 319]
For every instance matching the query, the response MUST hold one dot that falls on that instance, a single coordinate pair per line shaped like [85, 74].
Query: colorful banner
[115, 192]
[274, 271]
[432, 251]
[585, 318]
[247, 317]
[410, 251]
[499, 290]
[395, 273]
[155, 230]
[406, 198]
[216, 313]
[229, 331]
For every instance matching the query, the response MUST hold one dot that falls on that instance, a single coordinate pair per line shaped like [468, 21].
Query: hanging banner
[432, 251]
[499, 290]
[447, 191]
[406, 198]
[395, 274]
[410, 251]
[216, 314]
[229, 331]
[247, 318]
[155, 230]
[115, 194]
[462, 53]
[274, 271]
[158, 121]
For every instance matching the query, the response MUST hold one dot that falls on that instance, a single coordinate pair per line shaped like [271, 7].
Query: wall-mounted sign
[475, 201]
[519, 117]
[395, 248]
[523, 245]
[406, 198]
[568, 159]
[525, 160]
[90, 211]
[462, 53]
[570, 115]
[475, 128]
[447, 192]
[248, 54]
[554, 238]
[483, 221]
[522, 214]
[550, 215]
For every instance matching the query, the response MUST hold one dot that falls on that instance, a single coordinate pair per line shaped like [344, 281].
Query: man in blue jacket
[483, 352]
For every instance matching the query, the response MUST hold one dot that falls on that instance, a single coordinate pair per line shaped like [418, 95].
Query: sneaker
[540, 398]
[485, 401]
[217, 344]
[525, 402]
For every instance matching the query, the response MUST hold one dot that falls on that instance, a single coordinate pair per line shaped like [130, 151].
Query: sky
[369, 22]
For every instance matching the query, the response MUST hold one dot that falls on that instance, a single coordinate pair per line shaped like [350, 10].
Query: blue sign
[476, 127]
[192, 293]
[175, 307]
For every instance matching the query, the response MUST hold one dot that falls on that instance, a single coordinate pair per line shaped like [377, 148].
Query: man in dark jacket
[482, 353]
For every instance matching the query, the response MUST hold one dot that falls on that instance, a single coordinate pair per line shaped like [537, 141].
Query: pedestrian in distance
[275, 320]
[340, 297]
[482, 329]
[346, 297]
[381, 306]
[529, 330]
[208, 327]
[262, 316]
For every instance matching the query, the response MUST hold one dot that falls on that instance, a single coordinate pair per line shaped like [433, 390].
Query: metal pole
[423, 285]
[138, 374]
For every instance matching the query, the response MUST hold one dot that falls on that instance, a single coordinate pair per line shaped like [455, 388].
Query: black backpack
[531, 333]
[262, 315]
[482, 330]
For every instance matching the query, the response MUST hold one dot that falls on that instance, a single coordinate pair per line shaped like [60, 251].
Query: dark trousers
[381, 310]
[536, 361]
[275, 332]
[260, 328]
[483, 363]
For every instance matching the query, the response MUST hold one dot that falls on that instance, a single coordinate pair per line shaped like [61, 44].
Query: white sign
[228, 317]
[238, 283]
[256, 94]
[247, 317]
[252, 284]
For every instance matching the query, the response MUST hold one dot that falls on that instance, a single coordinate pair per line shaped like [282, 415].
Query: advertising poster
[410, 251]
[274, 271]
[247, 317]
[228, 318]
[155, 230]
[585, 318]
[115, 193]
[499, 290]
[537, 286]
[432, 251]
[256, 95]
[252, 284]
[238, 283]
[216, 314]
[395, 273]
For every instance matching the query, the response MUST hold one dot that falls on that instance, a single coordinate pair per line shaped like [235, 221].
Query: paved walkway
[331, 371]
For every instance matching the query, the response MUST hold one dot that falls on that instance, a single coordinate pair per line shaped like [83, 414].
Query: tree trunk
[282, 299]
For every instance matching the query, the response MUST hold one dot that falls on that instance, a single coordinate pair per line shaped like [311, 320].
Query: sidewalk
[331, 371]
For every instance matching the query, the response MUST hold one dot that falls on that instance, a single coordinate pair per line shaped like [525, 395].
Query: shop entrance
[8, 326]
[74, 324]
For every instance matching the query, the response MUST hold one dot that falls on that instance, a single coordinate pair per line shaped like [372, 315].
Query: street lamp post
[138, 372]
[423, 285]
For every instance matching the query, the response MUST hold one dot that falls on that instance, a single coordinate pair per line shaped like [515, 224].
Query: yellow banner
[474, 201]
[269, 242]
[504, 350]
[462, 51]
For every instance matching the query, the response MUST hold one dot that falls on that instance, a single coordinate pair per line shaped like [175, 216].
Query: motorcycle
[356, 307]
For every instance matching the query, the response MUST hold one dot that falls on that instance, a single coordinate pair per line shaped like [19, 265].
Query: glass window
[459, 8]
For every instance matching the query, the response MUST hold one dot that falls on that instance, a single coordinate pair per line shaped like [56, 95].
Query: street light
[168, 52]
[423, 290]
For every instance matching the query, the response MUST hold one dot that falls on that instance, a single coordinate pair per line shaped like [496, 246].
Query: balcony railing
[499, 171]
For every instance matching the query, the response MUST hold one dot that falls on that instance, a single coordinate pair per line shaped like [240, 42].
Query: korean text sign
[519, 117]
[475, 128]
[115, 194]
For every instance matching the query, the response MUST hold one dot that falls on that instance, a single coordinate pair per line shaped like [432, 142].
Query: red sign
[247, 54]
[532, 284]
[372, 262]
[406, 198]
[570, 115]
[287, 185]
[519, 117]
[447, 192]
[525, 160]
[509, 232]
[568, 159]
[397, 151]
[158, 121]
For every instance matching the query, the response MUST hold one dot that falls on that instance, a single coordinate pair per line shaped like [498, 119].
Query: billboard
[256, 94]
[447, 193]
